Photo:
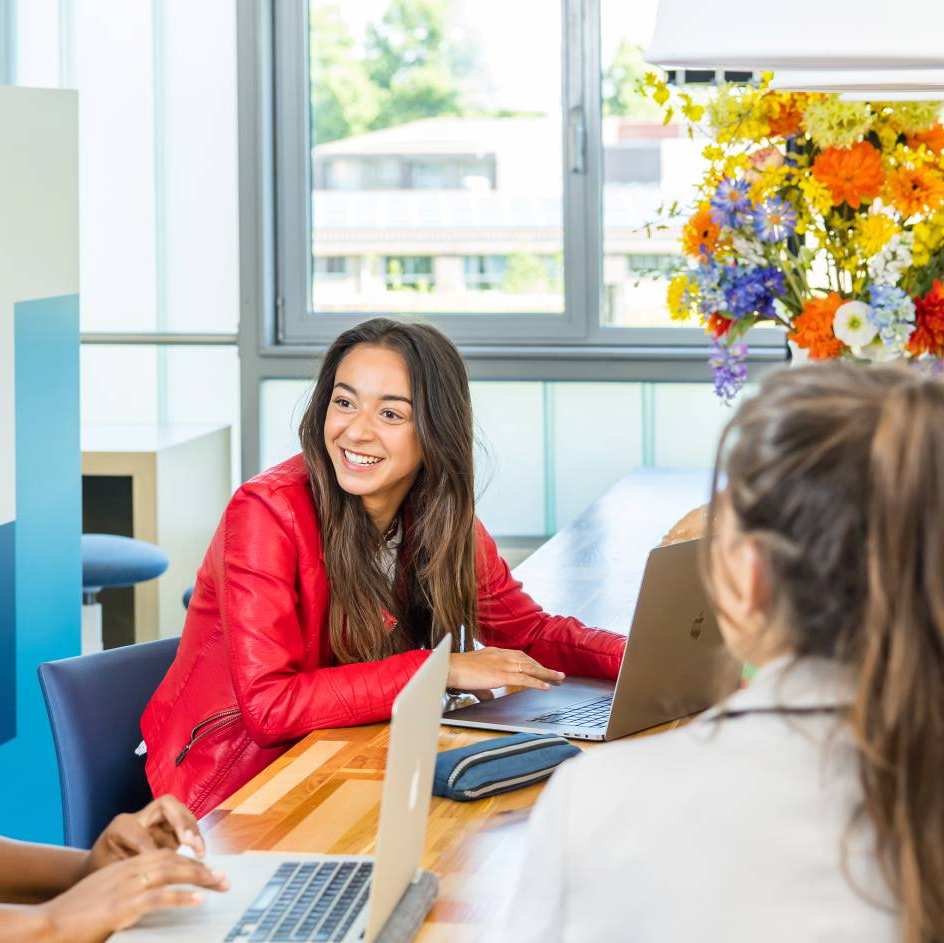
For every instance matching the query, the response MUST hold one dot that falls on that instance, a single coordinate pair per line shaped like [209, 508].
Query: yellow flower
[712, 152]
[680, 298]
[768, 181]
[734, 116]
[817, 194]
[834, 123]
[690, 109]
[873, 232]
[911, 117]
[928, 238]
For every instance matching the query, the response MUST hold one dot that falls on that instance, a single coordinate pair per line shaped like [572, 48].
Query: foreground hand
[689, 527]
[496, 668]
[163, 823]
[118, 895]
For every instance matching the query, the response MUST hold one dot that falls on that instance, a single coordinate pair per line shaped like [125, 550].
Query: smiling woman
[332, 576]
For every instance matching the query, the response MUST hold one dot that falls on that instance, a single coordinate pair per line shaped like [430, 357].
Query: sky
[520, 42]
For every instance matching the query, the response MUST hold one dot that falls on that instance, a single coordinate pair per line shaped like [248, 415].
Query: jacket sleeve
[279, 700]
[510, 618]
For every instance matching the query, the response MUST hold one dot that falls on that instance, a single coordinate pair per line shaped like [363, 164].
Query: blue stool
[108, 561]
[95, 704]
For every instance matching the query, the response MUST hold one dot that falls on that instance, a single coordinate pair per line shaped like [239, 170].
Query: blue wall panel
[48, 565]
[7, 634]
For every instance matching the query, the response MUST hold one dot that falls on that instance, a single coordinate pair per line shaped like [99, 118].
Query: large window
[493, 166]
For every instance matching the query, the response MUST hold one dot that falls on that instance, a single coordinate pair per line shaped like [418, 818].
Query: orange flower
[928, 335]
[700, 235]
[784, 120]
[932, 139]
[852, 174]
[718, 325]
[813, 327]
[913, 189]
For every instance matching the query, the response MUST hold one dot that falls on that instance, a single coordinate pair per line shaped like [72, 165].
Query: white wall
[38, 227]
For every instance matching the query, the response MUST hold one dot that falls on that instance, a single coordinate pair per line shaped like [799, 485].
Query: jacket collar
[792, 682]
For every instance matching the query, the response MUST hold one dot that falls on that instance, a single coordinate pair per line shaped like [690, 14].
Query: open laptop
[675, 664]
[333, 897]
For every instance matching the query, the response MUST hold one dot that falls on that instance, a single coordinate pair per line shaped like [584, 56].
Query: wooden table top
[323, 795]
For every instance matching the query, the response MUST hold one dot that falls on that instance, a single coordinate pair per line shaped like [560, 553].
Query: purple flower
[774, 220]
[731, 206]
[750, 291]
[730, 369]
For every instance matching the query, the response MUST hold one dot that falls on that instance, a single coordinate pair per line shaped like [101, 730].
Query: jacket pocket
[208, 725]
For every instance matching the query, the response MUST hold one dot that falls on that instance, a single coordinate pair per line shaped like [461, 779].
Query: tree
[344, 100]
[414, 63]
[620, 93]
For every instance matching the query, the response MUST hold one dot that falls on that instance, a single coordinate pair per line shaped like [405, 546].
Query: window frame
[582, 208]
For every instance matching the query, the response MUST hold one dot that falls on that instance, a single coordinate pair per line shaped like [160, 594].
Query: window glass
[432, 145]
[646, 165]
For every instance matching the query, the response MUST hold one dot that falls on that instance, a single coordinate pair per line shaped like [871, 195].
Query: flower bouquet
[823, 216]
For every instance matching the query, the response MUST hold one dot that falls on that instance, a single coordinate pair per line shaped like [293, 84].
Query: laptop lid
[676, 662]
[408, 786]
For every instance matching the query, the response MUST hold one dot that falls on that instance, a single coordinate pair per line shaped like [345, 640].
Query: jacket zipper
[218, 721]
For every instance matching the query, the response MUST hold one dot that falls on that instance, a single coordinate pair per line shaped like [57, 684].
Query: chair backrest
[95, 704]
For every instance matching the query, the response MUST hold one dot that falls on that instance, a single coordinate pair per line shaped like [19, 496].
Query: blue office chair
[94, 704]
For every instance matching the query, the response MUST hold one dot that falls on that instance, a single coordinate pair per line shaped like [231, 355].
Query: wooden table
[323, 795]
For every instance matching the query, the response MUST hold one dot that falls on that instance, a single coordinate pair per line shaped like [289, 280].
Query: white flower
[878, 352]
[853, 325]
[892, 259]
[747, 250]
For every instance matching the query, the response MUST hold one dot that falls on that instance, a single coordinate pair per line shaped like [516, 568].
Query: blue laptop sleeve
[499, 765]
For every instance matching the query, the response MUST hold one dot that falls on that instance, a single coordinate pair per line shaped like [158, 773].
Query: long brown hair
[837, 472]
[434, 591]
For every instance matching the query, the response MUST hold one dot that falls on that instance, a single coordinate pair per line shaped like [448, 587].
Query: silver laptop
[675, 664]
[333, 897]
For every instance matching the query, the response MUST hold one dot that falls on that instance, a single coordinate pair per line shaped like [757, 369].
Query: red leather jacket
[255, 671]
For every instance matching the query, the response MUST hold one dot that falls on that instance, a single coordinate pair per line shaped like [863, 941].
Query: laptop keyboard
[306, 900]
[593, 713]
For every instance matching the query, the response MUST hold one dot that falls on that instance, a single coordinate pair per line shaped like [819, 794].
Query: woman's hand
[689, 527]
[497, 667]
[164, 823]
[118, 895]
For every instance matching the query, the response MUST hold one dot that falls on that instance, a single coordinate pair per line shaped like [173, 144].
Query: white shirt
[725, 830]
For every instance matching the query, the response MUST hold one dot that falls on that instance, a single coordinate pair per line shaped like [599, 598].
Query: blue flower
[893, 314]
[730, 369]
[774, 220]
[709, 279]
[750, 291]
[731, 206]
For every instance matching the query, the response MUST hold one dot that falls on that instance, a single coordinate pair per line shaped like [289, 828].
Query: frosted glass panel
[688, 423]
[509, 470]
[196, 172]
[118, 385]
[597, 440]
[202, 385]
[281, 406]
[112, 44]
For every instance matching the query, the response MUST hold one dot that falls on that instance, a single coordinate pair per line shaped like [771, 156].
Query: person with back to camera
[807, 806]
[332, 574]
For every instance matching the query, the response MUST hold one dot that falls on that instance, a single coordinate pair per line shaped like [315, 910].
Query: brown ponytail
[899, 710]
[838, 472]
